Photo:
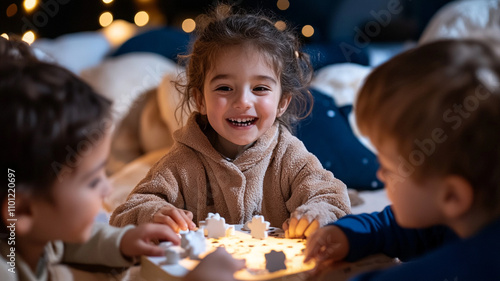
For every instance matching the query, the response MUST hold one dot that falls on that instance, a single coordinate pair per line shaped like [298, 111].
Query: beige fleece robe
[276, 177]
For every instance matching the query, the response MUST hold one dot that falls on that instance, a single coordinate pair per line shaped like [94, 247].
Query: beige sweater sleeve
[160, 188]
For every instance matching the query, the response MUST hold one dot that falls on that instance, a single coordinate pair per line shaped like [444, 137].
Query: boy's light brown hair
[440, 105]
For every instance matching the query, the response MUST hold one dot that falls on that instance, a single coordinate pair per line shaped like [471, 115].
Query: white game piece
[275, 260]
[193, 243]
[173, 256]
[184, 239]
[258, 227]
[203, 225]
[229, 230]
[215, 226]
[198, 244]
[165, 245]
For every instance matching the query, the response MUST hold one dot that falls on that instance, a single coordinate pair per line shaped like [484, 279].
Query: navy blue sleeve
[379, 233]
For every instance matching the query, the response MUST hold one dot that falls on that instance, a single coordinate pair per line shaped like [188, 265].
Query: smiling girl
[247, 81]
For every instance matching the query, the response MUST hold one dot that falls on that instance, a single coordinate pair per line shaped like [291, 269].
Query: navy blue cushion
[327, 134]
[165, 41]
[323, 54]
[170, 42]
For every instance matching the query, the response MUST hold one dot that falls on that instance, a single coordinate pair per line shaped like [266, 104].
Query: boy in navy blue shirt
[433, 113]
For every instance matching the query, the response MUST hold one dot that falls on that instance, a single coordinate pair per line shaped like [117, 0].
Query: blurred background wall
[325, 20]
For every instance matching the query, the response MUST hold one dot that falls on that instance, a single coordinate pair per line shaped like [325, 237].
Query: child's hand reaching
[295, 228]
[217, 266]
[137, 241]
[327, 245]
[177, 219]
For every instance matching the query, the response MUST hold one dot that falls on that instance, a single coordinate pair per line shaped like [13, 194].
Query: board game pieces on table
[258, 227]
[215, 226]
[275, 261]
[268, 255]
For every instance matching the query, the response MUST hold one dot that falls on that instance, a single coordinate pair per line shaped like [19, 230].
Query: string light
[188, 25]
[283, 4]
[29, 37]
[105, 19]
[5, 35]
[141, 18]
[30, 4]
[118, 32]
[11, 10]
[280, 25]
[307, 31]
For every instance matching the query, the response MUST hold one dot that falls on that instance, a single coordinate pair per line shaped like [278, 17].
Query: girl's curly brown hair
[221, 29]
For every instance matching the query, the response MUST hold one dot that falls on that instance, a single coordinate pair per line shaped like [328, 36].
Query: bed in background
[138, 82]
[136, 75]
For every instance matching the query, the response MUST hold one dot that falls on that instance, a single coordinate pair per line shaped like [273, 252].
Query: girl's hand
[217, 266]
[137, 241]
[327, 245]
[295, 228]
[177, 219]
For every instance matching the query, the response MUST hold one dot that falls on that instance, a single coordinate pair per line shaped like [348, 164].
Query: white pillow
[122, 79]
[464, 19]
[75, 51]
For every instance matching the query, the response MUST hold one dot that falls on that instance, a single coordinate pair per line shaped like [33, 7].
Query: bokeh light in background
[5, 35]
[280, 25]
[141, 18]
[307, 31]
[283, 4]
[53, 18]
[11, 10]
[188, 25]
[105, 19]
[29, 37]
[118, 32]
[29, 5]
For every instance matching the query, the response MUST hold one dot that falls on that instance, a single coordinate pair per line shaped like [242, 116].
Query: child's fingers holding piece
[301, 227]
[180, 218]
[177, 219]
[311, 228]
[292, 226]
[160, 232]
[166, 220]
[137, 241]
[285, 225]
[189, 214]
[188, 217]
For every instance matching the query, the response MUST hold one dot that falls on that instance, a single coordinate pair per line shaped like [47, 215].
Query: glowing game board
[242, 246]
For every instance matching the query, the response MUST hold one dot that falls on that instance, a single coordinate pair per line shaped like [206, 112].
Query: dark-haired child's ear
[457, 197]
[200, 101]
[283, 105]
[22, 213]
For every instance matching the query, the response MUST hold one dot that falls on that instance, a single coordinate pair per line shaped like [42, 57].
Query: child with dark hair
[55, 143]
[247, 81]
[433, 113]
[16, 49]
